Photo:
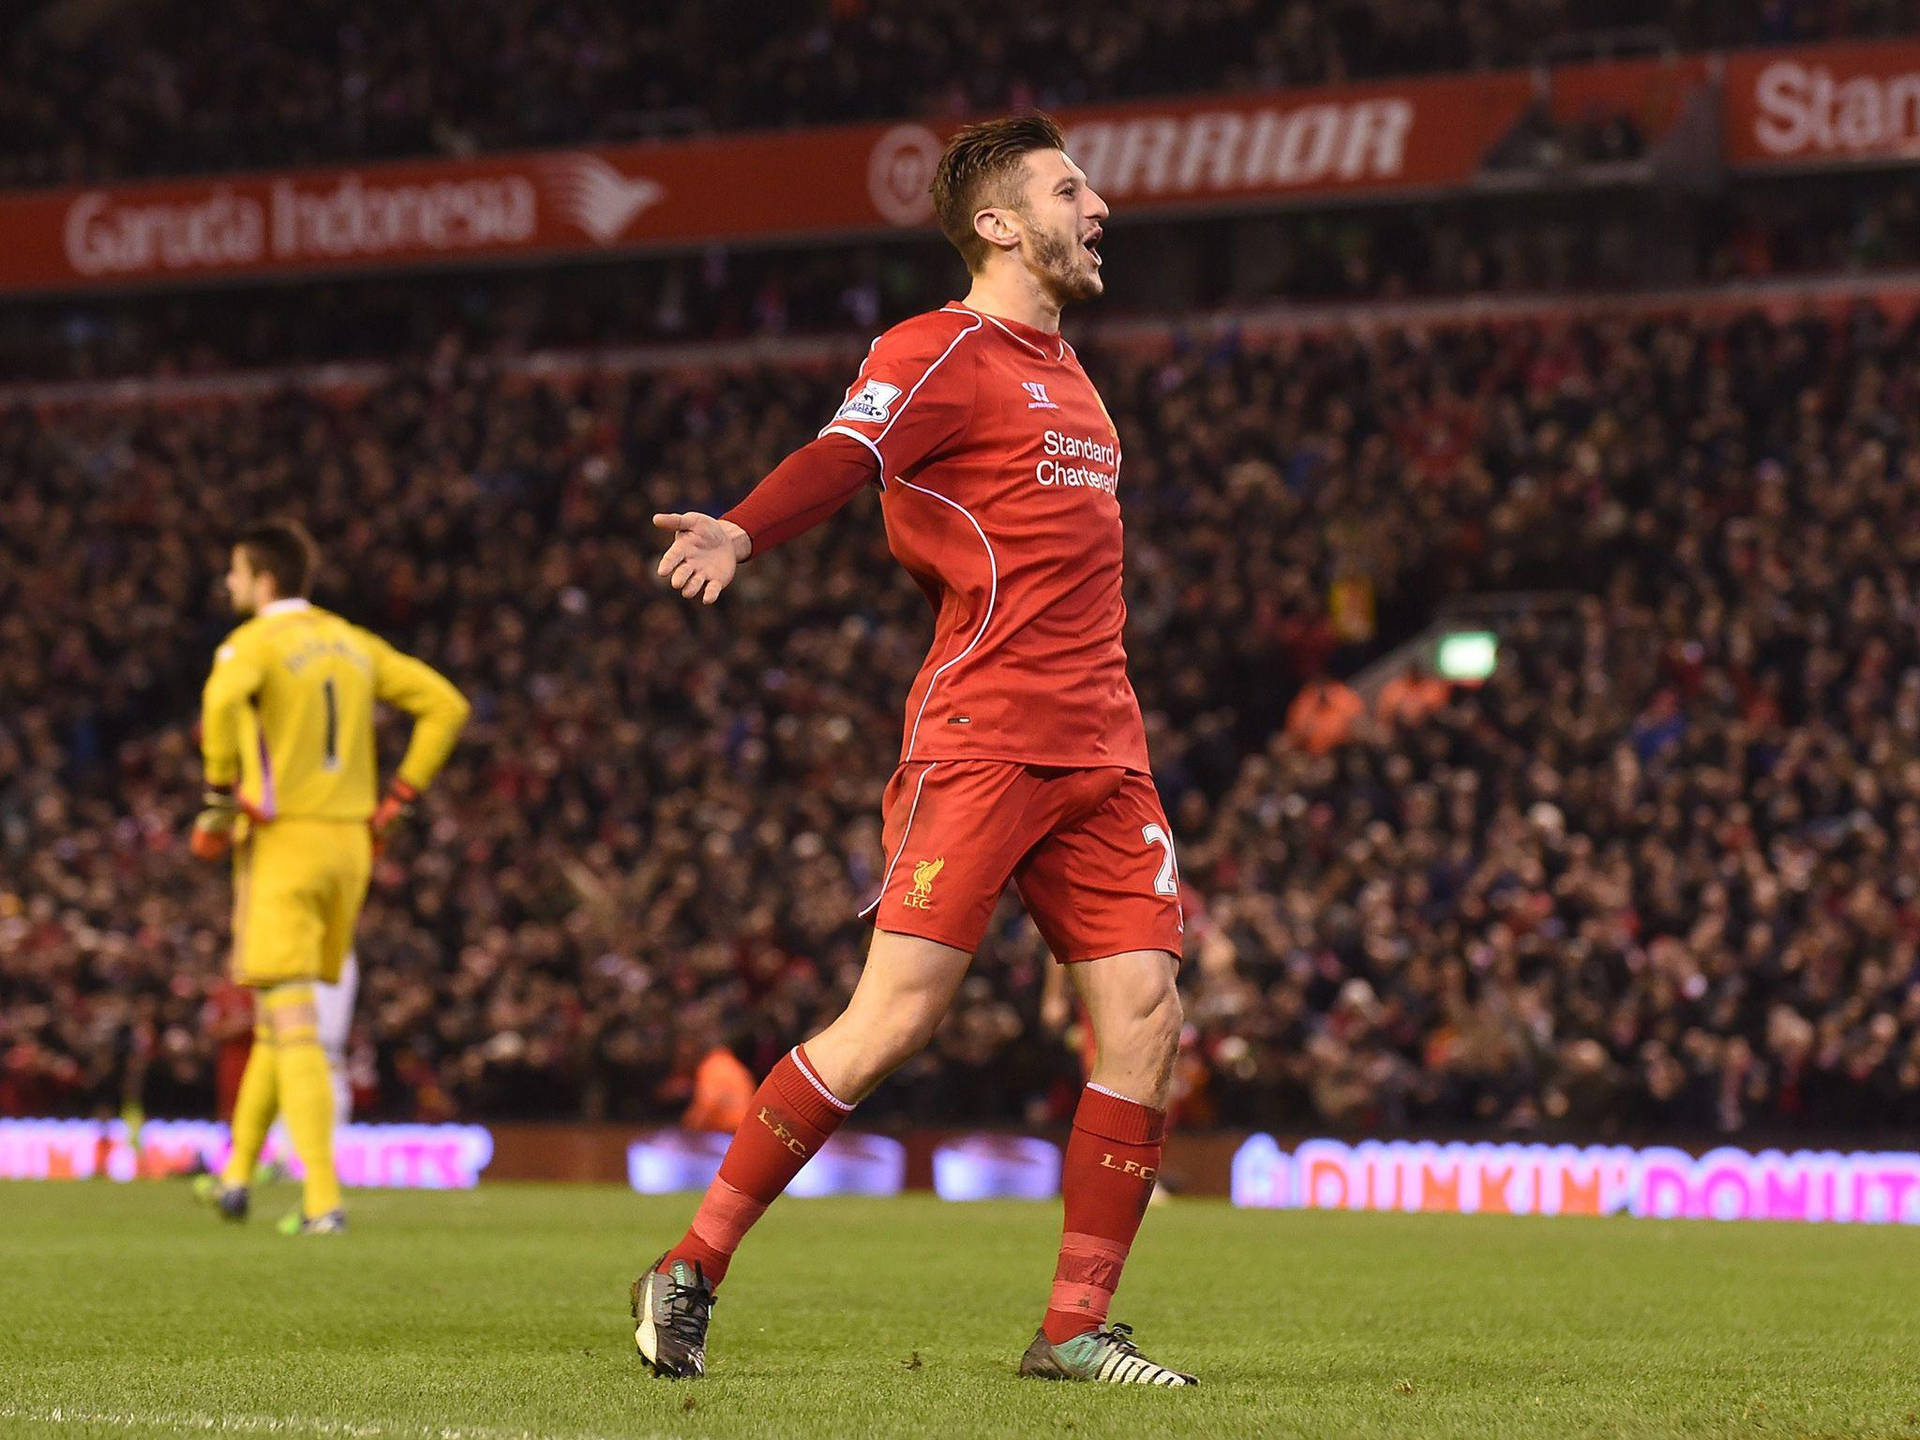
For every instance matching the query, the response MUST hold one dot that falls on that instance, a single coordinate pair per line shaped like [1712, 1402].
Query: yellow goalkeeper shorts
[297, 890]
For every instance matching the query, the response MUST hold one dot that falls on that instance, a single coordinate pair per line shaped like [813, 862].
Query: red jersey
[999, 471]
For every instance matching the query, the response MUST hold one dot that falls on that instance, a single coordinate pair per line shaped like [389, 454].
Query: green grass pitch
[501, 1313]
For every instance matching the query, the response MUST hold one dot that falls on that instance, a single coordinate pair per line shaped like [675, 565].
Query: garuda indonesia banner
[1807, 106]
[1422, 134]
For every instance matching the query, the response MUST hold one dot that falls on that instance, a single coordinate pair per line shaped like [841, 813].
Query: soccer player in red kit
[230, 1021]
[1024, 756]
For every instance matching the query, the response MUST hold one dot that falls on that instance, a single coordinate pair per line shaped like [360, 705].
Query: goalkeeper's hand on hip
[394, 807]
[221, 809]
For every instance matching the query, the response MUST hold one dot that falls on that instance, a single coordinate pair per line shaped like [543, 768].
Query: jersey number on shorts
[1167, 882]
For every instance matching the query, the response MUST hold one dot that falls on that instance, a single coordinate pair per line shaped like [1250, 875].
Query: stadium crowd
[1658, 875]
[164, 86]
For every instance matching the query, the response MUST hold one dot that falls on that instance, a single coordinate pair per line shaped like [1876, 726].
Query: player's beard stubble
[1064, 267]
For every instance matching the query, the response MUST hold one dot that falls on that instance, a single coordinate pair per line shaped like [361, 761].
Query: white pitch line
[187, 1422]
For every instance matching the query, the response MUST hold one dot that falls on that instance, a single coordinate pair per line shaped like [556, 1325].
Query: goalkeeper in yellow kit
[291, 773]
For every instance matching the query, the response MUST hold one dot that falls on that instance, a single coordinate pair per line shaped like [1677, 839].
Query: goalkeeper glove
[394, 807]
[220, 811]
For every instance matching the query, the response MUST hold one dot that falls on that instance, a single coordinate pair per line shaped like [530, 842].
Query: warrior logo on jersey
[1037, 396]
[924, 874]
[872, 403]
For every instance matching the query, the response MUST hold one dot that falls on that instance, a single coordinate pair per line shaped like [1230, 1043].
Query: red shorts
[1090, 851]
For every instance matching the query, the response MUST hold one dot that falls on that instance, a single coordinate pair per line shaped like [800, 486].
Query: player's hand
[394, 807]
[220, 811]
[704, 554]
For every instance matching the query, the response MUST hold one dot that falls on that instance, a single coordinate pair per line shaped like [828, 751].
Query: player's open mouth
[1091, 245]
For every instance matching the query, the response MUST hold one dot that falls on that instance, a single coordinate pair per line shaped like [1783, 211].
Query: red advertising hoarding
[1423, 134]
[1809, 106]
[1823, 105]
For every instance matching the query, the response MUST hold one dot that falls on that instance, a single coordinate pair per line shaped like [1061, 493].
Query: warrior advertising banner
[1419, 135]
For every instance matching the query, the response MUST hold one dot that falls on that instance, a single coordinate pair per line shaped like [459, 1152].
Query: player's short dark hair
[284, 550]
[981, 166]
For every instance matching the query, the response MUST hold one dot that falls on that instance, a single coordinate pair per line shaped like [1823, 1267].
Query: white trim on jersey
[993, 596]
[912, 810]
[832, 428]
[1021, 340]
[872, 345]
[923, 380]
[856, 435]
[1017, 339]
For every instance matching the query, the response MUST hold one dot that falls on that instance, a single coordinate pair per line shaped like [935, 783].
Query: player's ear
[996, 226]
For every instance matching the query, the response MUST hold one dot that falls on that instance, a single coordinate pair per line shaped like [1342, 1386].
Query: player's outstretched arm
[803, 489]
[704, 554]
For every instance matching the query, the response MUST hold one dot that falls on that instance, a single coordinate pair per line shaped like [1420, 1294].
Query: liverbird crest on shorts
[924, 874]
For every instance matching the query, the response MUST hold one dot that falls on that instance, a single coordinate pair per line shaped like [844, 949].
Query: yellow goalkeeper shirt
[287, 714]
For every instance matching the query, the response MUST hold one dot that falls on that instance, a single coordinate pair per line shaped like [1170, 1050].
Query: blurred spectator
[1541, 141]
[1325, 715]
[1411, 697]
[721, 1085]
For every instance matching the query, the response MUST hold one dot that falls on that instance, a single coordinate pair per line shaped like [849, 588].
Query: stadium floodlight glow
[673, 1161]
[676, 1161]
[854, 1164]
[1467, 657]
[997, 1167]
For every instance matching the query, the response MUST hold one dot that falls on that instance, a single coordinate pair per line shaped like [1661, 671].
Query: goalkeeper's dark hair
[284, 550]
[983, 165]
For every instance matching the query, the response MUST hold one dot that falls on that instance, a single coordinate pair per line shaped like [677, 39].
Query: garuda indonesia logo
[596, 197]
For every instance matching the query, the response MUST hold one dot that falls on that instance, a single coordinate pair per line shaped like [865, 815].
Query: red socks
[1105, 1182]
[789, 1118]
